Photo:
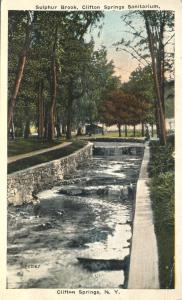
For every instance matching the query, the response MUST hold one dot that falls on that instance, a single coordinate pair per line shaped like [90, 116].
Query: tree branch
[169, 40]
[139, 60]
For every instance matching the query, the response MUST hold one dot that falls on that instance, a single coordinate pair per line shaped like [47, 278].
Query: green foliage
[125, 108]
[162, 186]
[162, 191]
[82, 74]
[161, 159]
[169, 106]
[141, 85]
[171, 139]
[140, 81]
[169, 99]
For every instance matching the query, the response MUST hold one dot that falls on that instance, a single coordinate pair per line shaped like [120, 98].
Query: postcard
[90, 118]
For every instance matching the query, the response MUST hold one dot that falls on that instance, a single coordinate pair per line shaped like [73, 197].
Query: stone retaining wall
[23, 185]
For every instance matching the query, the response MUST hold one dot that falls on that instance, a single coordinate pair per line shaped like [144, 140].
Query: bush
[162, 192]
[171, 139]
[161, 171]
[161, 159]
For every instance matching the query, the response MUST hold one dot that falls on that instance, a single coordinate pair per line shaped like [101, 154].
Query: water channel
[79, 235]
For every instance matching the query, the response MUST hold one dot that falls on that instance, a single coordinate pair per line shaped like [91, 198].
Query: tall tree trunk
[11, 130]
[58, 126]
[64, 127]
[58, 130]
[134, 130]
[79, 131]
[69, 110]
[46, 122]
[27, 129]
[20, 69]
[152, 128]
[157, 120]
[53, 89]
[119, 129]
[19, 76]
[41, 113]
[68, 131]
[142, 130]
[69, 120]
[102, 130]
[157, 80]
[161, 58]
[126, 130]
[26, 132]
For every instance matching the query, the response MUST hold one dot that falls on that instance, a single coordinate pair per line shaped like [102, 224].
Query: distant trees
[141, 85]
[123, 108]
[132, 103]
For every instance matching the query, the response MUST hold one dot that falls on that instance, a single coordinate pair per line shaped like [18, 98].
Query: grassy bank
[45, 157]
[161, 171]
[21, 145]
[114, 134]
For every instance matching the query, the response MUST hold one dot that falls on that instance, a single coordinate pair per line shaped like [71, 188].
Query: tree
[122, 108]
[45, 44]
[76, 61]
[27, 20]
[141, 85]
[97, 79]
[152, 47]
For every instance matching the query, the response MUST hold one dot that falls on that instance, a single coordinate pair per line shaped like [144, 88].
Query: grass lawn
[21, 145]
[115, 135]
[161, 171]
[45, 157]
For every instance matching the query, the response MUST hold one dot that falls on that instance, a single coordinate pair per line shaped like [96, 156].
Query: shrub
[161, 171]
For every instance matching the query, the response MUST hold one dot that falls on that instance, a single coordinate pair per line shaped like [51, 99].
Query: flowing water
[79, 235]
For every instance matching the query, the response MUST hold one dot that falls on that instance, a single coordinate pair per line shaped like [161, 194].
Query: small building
[93, 129]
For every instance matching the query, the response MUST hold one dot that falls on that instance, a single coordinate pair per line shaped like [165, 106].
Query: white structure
[170, 124]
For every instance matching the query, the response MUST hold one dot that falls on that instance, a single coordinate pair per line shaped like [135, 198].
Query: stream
[79, 234]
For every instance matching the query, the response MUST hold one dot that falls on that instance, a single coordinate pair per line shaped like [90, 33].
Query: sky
[113, 31]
